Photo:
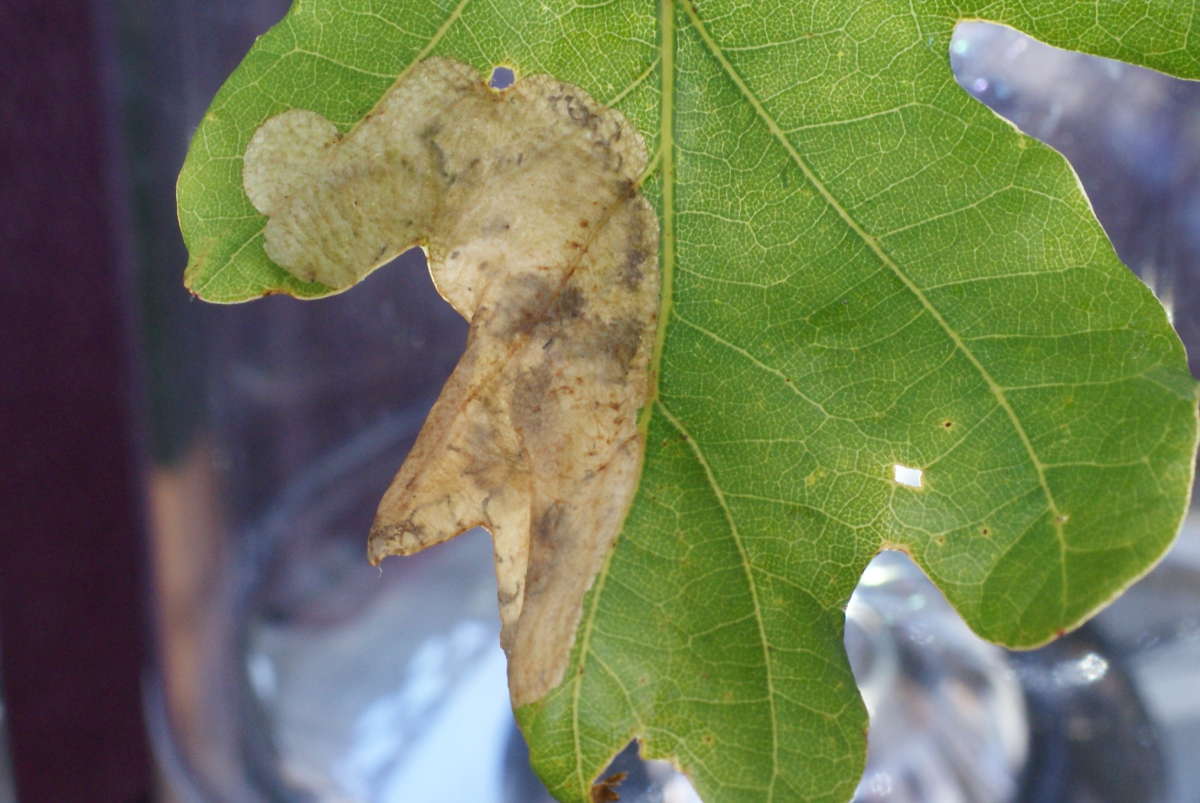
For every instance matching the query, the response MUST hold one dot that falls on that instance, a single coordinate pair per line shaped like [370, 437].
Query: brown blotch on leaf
[631, 274]
[637, 251]
[548, 528]
[529, 394]
[534, 435]
[568, 304]
[538, 303]
[606, 791]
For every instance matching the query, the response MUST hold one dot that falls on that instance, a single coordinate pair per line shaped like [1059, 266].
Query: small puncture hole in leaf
[905, 475]
[948, 425]
[502, 78]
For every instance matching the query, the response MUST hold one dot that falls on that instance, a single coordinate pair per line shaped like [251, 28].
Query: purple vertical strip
[71, 560]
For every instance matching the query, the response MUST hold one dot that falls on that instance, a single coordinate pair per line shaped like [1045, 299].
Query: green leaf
[862, 267]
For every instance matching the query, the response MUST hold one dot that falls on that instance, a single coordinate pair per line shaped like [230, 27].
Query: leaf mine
[526, 203]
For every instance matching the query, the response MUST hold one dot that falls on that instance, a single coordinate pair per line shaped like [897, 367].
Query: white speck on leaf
[907, 476]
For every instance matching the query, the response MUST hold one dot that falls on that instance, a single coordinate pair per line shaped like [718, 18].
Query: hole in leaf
[636, 778]
[1121, 127]
[906, 475]
[502, 78]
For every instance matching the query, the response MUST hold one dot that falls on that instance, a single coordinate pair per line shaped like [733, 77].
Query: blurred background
[185, 612]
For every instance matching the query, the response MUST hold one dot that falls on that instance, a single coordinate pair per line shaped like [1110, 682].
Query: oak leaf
[863, 270]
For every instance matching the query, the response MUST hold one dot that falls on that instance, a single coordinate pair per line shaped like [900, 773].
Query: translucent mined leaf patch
[526, 202]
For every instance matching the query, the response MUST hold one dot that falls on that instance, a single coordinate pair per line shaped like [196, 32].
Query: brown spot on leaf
[631, 271]
[548, 527]
[621, 340]
[606, 791]
[568, 304]
[535, 302]
[529, 394]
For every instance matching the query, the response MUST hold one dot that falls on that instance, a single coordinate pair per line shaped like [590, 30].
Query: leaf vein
[752, 584]
[873, 244]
